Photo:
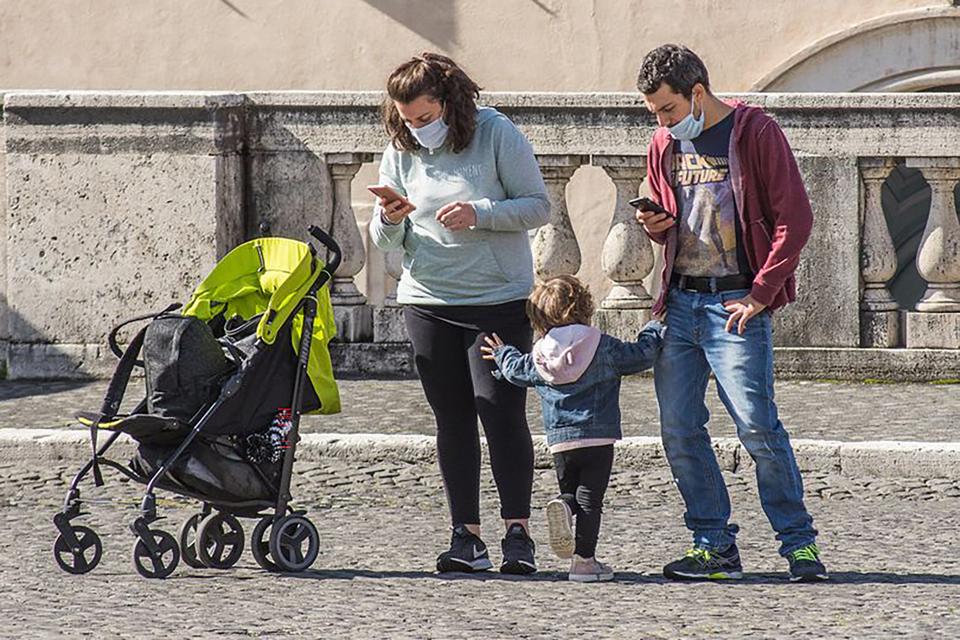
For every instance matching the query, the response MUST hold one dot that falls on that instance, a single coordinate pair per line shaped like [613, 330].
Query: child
[576, 369]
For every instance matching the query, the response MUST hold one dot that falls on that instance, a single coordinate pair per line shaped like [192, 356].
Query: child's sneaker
[467, 553]
[560, 528]
[589, 570]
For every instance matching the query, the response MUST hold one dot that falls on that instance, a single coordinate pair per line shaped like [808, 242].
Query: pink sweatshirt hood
[565, 352]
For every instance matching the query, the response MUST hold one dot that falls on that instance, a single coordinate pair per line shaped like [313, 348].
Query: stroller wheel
[219, 541]
[294, 543]
[161, 565]
[261, 547]
[188, 539]
[82, 558]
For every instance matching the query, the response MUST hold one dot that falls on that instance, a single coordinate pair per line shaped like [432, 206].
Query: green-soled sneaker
[703, 564]
[805, 565]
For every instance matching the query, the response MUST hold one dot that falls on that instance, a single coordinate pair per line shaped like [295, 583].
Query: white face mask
[433, 135]
[690, 127]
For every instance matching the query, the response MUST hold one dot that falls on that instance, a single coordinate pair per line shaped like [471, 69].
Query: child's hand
[494, 343]
[660, 317]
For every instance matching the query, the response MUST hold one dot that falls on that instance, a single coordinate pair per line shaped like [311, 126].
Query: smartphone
[388, 194]
[646, 204]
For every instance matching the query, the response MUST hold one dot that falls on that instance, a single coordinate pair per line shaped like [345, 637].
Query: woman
[473, 190]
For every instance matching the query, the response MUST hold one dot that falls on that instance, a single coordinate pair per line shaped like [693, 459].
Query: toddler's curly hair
[557, 302]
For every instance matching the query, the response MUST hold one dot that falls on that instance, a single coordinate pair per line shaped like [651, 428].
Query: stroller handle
[324, 238]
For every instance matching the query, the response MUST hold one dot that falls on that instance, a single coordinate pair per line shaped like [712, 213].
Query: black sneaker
[805, 565]
[467, 553]
[702, 564]
[518, 550]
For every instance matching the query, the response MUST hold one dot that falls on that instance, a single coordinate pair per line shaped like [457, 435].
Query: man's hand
[457, 215]
[395, 211]
[493, 343]
[741, 310]
[654, 223]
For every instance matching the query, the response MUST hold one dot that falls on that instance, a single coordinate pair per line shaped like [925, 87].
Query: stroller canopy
[271, 276]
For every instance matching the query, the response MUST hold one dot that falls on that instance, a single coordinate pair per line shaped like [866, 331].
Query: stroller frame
[78, 549]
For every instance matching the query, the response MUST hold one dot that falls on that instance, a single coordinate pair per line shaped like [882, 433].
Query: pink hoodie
[565, 352]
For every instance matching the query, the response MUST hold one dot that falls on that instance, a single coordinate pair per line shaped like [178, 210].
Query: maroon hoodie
[775, 213]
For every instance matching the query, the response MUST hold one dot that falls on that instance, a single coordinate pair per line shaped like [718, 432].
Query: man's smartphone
[388, 194]
[646, 204]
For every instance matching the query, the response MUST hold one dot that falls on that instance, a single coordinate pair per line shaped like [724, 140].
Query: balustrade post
[627, 255]
[936, 322]
[555, 248]
[879, 314]
[353, 316]
[388, 324]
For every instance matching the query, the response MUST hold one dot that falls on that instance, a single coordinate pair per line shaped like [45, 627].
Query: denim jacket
[588, 407]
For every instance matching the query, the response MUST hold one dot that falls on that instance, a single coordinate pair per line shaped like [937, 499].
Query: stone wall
[118, 203]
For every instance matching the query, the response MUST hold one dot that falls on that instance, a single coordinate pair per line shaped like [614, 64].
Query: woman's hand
[394, 211]
[493, 343]
[457, 215]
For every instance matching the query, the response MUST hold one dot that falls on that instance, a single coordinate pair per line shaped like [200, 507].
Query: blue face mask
[433, 135]
[690, 127]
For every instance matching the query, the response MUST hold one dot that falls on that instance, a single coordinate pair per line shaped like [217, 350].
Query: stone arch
[909, 51]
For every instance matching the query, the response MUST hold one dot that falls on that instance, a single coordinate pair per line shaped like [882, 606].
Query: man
[726, 172]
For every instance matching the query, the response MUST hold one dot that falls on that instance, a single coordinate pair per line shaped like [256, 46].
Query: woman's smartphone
[646, 204]
[388, 194]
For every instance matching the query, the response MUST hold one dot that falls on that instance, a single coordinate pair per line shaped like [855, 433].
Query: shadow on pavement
[14, 389]
[854, 577]
[779, 578]
[482, 576]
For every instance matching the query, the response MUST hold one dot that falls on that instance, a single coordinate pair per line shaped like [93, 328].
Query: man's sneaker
[702, 564]
[467, 553]
[518, 551]
[805, 565]
[589, 570]
[560, 528]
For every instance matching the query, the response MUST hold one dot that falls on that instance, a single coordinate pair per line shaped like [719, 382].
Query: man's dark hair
[674, 64]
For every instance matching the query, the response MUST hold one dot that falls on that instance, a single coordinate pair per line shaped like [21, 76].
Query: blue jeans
[695, 344]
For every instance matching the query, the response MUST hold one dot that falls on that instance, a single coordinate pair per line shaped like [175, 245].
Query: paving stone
[845, 411]
[375, 576]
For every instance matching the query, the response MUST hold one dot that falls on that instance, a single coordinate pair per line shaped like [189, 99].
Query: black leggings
[459, 386]
[583, 475]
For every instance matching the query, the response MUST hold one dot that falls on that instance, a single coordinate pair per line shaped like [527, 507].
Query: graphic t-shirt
[709, 232]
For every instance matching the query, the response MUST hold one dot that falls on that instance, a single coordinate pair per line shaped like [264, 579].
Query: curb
[364, 360]
[885, 459]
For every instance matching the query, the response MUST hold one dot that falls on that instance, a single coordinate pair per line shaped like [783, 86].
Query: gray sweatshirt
[489, 263]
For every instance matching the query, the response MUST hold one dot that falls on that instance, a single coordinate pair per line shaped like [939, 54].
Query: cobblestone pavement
[891, 546]
[815, 410]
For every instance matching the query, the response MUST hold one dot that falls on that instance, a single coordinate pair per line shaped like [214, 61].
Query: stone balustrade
[119, 203]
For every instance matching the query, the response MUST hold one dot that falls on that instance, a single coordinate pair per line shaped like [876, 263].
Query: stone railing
[117, 204]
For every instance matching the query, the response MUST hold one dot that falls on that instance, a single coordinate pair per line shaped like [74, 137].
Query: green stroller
[226, 383]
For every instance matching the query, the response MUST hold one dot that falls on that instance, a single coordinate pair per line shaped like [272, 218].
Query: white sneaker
[560, 528]
[589, 570]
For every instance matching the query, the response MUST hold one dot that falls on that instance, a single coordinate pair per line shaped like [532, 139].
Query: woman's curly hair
[557, 302]
[440, 78]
